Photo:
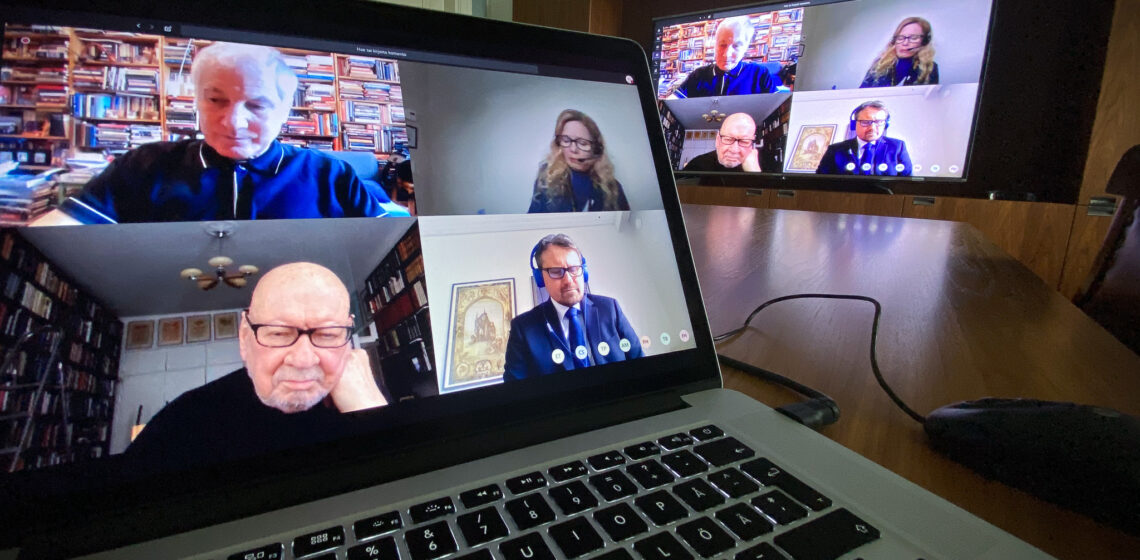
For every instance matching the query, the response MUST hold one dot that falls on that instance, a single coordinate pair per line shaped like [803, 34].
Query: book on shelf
[116, 51]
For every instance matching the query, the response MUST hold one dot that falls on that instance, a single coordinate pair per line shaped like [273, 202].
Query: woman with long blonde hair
[908, 59]
[577, 175]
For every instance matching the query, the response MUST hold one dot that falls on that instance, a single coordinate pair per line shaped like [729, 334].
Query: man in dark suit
[572, 329]
[870, 152]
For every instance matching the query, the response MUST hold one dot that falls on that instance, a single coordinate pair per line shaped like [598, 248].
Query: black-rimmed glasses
[729, 140]
[282, 336]
[566, 141]
[557, 272]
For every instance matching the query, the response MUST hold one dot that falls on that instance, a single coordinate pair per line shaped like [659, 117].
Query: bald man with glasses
[735, 147]
[300, 376]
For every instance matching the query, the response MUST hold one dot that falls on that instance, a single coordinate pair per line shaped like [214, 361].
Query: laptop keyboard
[700, 494]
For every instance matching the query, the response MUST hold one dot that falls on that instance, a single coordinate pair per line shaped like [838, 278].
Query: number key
[430, 541]
[482, 526]
[530, 511]
[573, 498]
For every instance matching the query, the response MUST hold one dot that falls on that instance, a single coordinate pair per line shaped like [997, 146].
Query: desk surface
[961, 320]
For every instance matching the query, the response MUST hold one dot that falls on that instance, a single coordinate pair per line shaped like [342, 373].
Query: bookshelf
[34, 294]
[772, 134]
[34, 90]
[395, 295]
[674, 133]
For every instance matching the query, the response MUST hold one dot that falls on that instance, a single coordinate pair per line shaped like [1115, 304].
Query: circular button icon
[684, 335]
[665, 338]
[953, 169]
[882, 167]
[899, 167]
[918, 167]
[645, 341]
[866, 167]
[558, 356]
[935, 168]
[624, 345]
[580, 352]
[603, 349]
[850, 167]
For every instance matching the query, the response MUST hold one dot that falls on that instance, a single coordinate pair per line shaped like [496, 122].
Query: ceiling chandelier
[714, 115]
[219, 265]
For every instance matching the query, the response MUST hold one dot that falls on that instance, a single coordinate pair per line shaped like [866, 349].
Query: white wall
[487, 132]
[157, 375]
[628, 254]
[842, 40]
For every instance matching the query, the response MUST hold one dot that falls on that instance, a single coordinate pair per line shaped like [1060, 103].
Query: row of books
[116, 136]
[371, 91]
[179, 84]
[312, 67]
[181, 114]
[363, 112]
[53, 49]
[91, 360]
[309, 142]
[311, 124]
[371, 68]
[315, 96]
[117, 78]
[179, 52]
[114, 51]
[38, 74]
[113, 106]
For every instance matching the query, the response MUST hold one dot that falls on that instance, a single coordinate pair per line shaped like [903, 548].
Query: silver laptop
[373, 283]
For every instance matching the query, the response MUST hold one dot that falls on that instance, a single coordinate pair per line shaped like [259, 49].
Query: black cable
[812, 393]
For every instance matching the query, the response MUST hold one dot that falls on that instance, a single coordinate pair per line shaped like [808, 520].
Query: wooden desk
[961, 320]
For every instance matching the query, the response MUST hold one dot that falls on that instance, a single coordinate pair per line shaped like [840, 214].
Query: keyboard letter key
[828, 537]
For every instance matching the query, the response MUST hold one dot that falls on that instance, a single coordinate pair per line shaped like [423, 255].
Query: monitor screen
[882, 90]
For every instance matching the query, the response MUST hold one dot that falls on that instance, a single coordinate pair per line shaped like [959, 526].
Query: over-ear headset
[537, 272]
[866, 104]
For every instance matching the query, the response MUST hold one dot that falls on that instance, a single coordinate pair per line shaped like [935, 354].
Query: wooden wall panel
[1117, 124]
[838, 202]
[725, 196]
[563, 14]
[1084, 243]
[605, 17]
[1035, 233]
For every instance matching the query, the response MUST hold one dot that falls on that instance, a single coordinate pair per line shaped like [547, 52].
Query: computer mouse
[1085, 458]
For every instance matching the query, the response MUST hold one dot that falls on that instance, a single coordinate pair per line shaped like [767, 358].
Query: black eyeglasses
[282, 336]
[566, 141]
[557, 272]
[909, 38]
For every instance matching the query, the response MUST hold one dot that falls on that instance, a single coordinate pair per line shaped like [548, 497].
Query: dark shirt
[189, 181]
[225, 420]
[747, 78]
[586, 196]
[904, 74]
[709, 162]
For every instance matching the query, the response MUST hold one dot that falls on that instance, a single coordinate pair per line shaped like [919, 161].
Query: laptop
[495, 429]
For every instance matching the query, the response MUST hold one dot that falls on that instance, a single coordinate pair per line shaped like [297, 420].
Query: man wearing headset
[572, 329]
[870, 152]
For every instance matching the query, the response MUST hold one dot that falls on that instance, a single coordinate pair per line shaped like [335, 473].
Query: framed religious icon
[140, 334]
[170, 331]
[198, 328]
[225, 325]
[810, 146]
[481, 314]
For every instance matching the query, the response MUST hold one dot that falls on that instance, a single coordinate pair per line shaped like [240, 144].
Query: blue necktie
[867, 159]
[577, 336]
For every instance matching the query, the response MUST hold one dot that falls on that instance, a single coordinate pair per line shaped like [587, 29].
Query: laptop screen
[281, 241]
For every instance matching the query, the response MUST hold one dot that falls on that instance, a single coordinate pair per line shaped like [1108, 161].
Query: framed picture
[481, 314]
[810, 145]
[225, 325]
[198, 328]
[170, 331]
[140, 334]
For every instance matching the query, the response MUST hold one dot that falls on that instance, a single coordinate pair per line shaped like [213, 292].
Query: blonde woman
[577, 175]
[908, 59]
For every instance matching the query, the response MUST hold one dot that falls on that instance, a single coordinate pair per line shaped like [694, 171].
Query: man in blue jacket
[870, 152]
[729, 74]
[572, 329]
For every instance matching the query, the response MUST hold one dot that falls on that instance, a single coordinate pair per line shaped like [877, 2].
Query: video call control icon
[646, 341]
[624, 345]
[665, 338]
[558, 356]
[603, 349]
[684, 335]
[580, 352]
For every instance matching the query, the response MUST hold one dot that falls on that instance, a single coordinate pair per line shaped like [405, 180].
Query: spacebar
[828, 537]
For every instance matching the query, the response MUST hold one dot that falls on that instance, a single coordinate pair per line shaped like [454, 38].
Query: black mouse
[1085, 458]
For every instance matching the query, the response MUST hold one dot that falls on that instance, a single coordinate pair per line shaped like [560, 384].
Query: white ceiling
[134, 268]
[759, 106]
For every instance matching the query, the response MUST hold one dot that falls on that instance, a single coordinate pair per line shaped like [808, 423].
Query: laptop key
[642, 450]
[530, 511]
[573, 497]
[383, 549]
[770, 475]
[319, 541]
[269, 552]
[526, 483]
[481, 526]
[562, 473]
[762, 551]
[724, 451]
[603, 461]
[427, 511]
[733, 483]
[576, 537]
[377, 525]
[705, 537]
[778, 506]
[684, 463]
[661, 546]
[526, 547]
[661, 508]
[430, 541]
[705, 433]
[828, 537]
[698, 494]
[613, 485]
[620, 522]
[675, 441]
[481, 496]
[649, 474]
[744, 521]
